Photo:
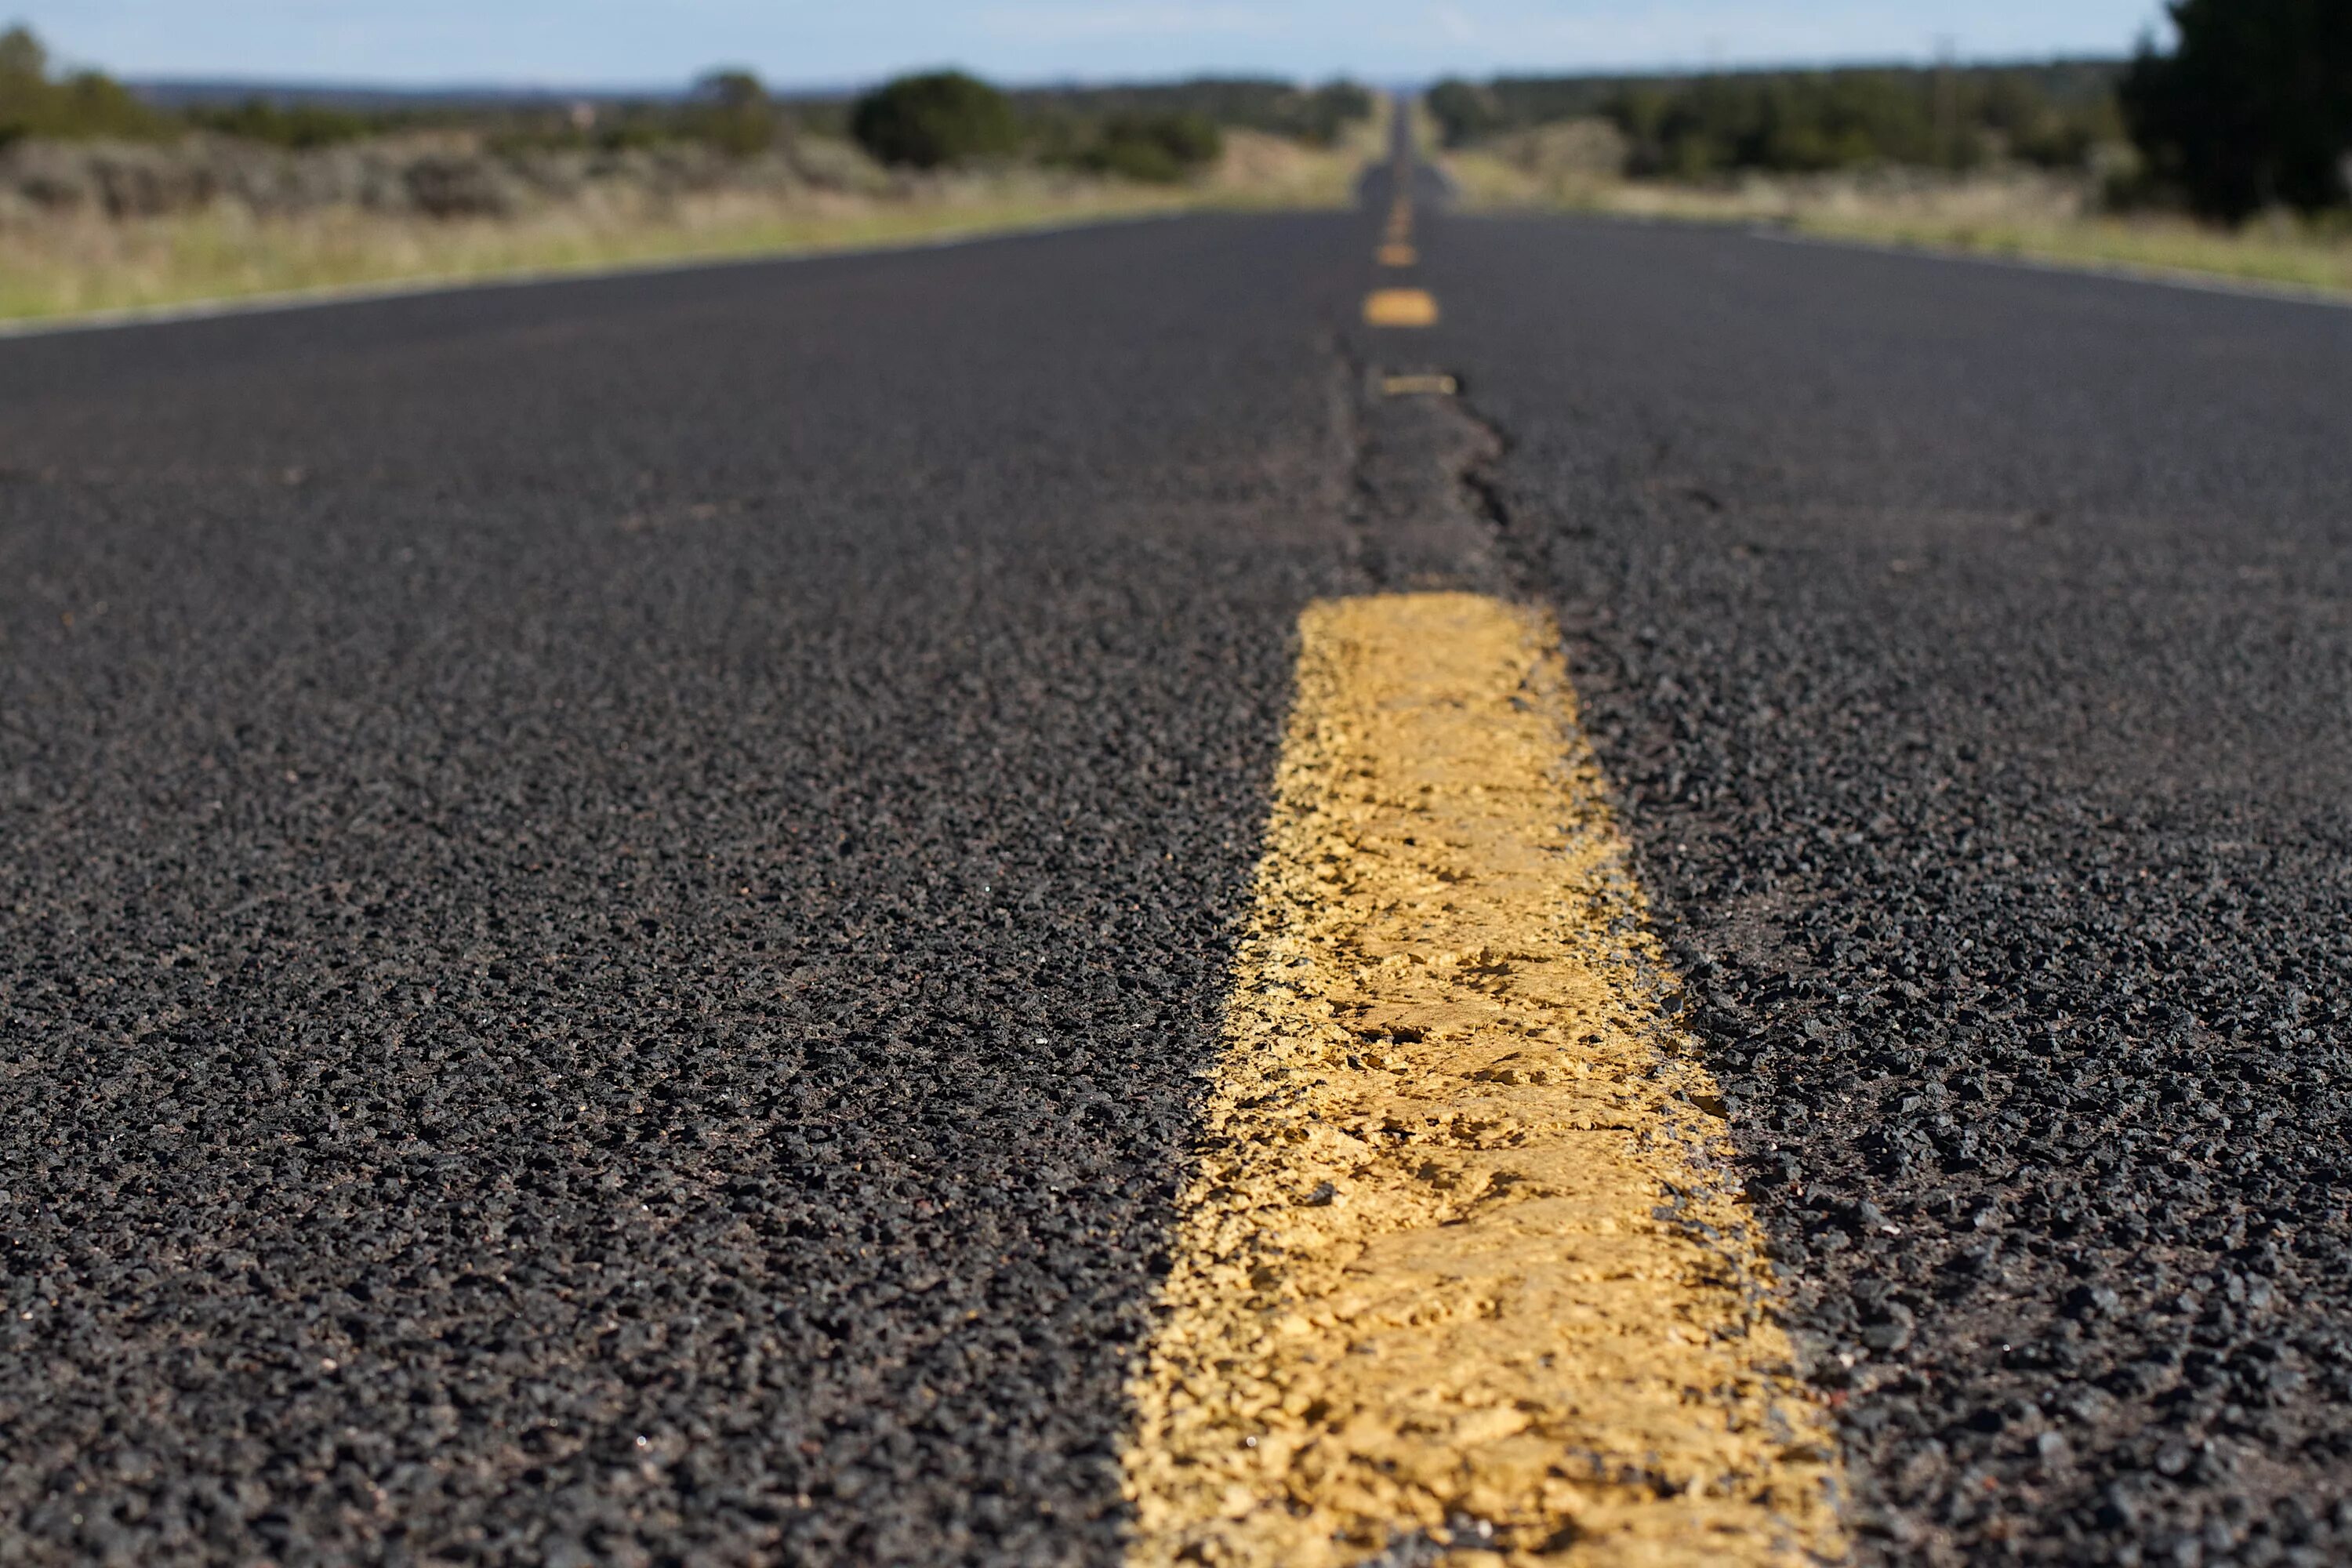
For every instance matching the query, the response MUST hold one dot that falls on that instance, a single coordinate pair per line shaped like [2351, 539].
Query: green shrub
[1160, 149]
[731, 112]
[2253, 109]
[945, 117]
[1327, 111]
[631, 132]
[1796, 123]
[1464, 112]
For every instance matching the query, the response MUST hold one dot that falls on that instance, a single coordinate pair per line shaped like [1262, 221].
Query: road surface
[620, 900]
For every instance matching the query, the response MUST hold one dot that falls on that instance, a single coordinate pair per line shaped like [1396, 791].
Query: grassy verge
[2037, 218]
[60, 268]
[88, 267]
[2290, 257]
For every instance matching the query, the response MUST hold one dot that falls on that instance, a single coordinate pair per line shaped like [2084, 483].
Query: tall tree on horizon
[2253, 109]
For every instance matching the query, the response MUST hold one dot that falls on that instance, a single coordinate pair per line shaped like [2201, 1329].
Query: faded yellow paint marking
[1460, 1262]
[1396, 253]
[1418, 386]
[1400, 308]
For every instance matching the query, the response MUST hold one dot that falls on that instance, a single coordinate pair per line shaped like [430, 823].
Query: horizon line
[520, 88]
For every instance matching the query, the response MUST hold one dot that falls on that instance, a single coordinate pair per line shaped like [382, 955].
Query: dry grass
[2021, 213]
[62, 266]
[1261, 171]
[83, 266]
[2286, 255]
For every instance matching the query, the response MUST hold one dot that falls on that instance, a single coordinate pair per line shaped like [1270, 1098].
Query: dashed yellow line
[1458, 1272]
[1400, 308]
[1419, 385]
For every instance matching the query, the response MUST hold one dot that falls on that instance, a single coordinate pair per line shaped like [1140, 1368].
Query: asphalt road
[614, 896]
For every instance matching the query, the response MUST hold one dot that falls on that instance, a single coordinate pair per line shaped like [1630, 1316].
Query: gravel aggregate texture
[1971, 649]
[612, 895]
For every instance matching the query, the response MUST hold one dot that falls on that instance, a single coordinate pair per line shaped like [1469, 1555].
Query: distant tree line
[1160, 131]
[1321, 115]
[1801, 121]
[1154, 132]
[2252, 108]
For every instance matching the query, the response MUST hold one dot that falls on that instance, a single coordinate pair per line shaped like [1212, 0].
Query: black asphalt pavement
[612, 894]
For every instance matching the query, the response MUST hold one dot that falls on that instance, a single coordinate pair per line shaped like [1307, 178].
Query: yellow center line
[1400, 308]
[1396, 249]
[1459, 1264]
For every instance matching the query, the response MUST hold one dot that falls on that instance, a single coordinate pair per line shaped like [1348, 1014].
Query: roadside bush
[628, 131]
[1465, 113]
[1160, 149]
[459, 185]
[1327, 112]
[2253, 110]
[945, 117]
[731, 112]
[1796, 124]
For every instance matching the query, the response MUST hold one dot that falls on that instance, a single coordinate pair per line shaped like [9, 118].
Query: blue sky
[631, 42]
